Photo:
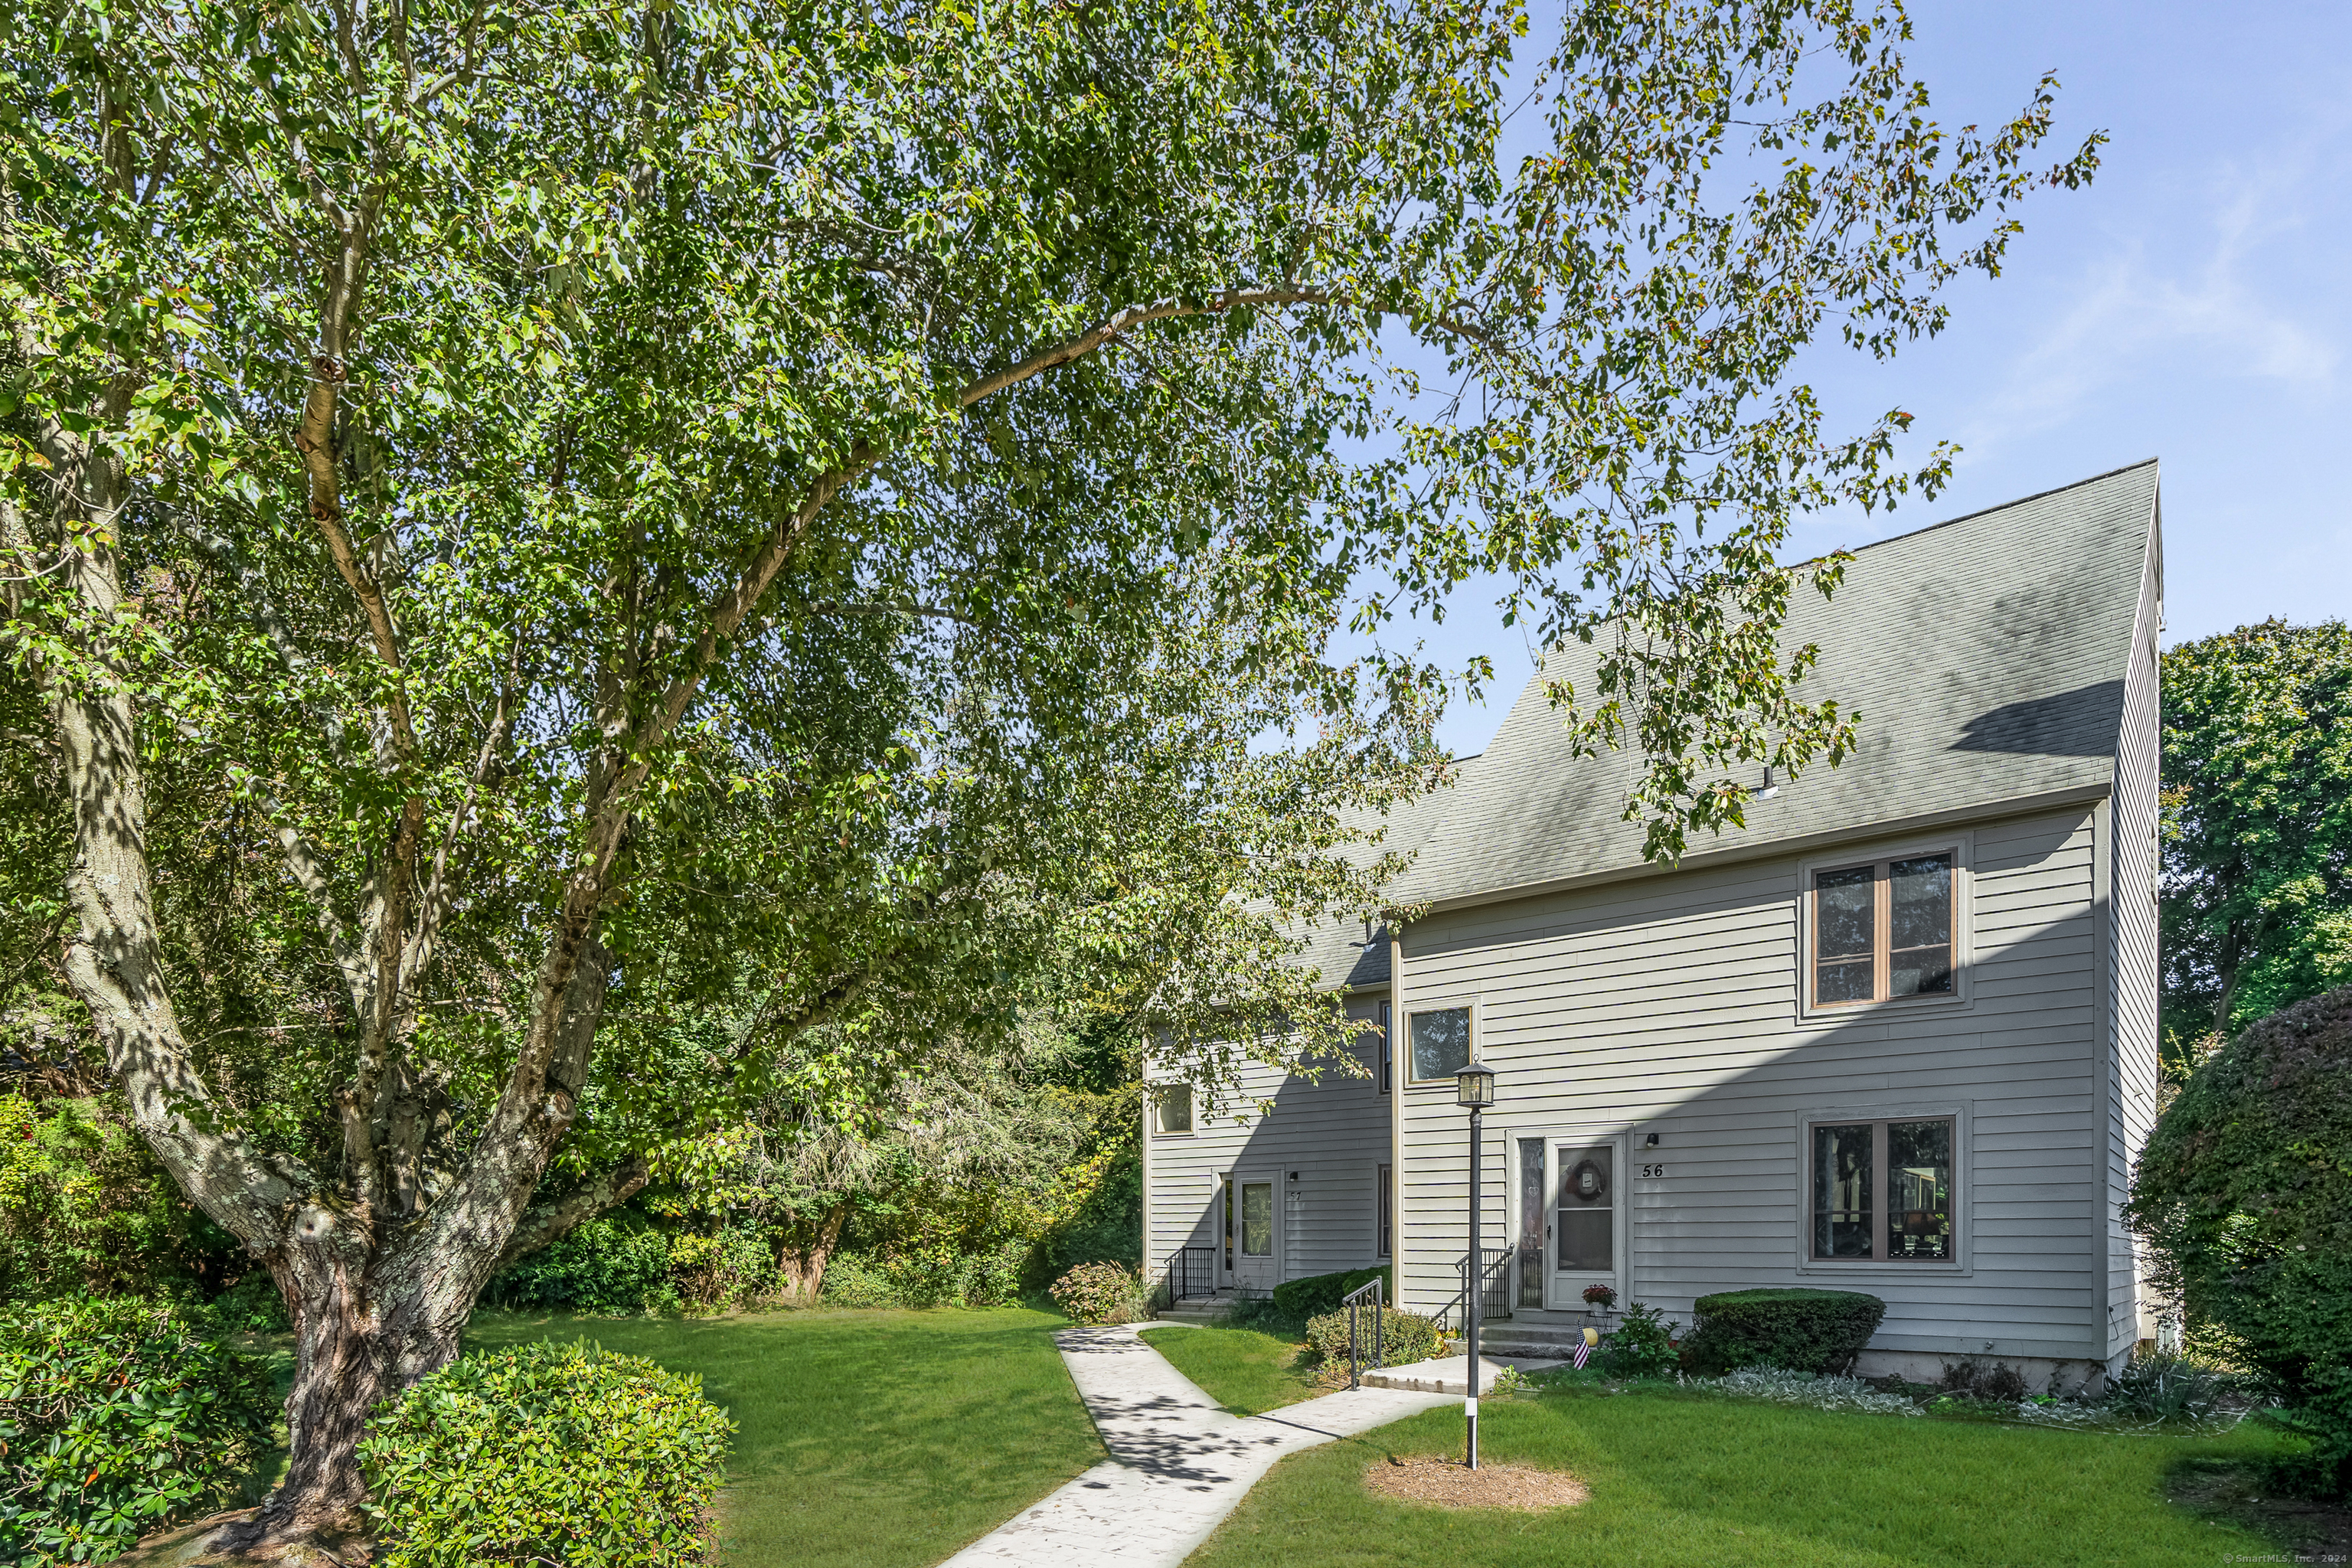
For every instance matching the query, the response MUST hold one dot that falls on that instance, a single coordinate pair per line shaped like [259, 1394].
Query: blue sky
[2192, 304]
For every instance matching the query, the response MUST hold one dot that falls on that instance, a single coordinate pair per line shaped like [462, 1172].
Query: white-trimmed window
[1438, 1042]
[1388, 1052]
[1384, 1236]
[1885, 929]
[1881, 1191]
[1171, 1109]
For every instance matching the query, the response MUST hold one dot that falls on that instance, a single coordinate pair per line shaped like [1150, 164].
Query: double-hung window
[1384, 1231]
[1881, 1191]
[1884, 930]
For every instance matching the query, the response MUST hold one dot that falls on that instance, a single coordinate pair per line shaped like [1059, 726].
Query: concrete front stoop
[1450, 1374]
[1204, 1312]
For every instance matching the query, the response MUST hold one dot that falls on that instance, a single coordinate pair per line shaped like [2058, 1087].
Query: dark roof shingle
[1985, 658]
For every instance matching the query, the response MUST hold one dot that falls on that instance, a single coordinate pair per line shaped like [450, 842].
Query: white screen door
[1257, 1233]
[1587, 1221]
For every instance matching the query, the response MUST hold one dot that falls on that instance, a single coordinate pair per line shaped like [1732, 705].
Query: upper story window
[1171, 1107]
[1884, 930]
[1439, 1042]
[1388, 1052]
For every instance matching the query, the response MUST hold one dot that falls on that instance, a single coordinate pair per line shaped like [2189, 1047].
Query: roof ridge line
[1999, 506]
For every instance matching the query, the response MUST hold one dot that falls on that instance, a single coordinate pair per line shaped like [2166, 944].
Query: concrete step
[1504, 1340]
[1204, 1312]
[1451, 1374]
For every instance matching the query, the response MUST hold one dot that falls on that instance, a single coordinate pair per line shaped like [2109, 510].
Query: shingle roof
[1984, 656]
[1349, 957]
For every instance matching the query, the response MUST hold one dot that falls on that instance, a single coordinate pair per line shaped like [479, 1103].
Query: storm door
[1257, 1263]
[1587, 1221]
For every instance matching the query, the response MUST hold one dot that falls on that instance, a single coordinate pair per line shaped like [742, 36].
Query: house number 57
[1654, 1169]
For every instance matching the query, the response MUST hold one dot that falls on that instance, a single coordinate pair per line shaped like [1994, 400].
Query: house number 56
[1654, 1169]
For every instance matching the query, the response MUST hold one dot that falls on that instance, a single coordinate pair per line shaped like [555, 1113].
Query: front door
[1252, 1239]
[1581, 1239]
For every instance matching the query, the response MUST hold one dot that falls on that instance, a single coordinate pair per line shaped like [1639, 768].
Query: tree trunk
[802, 1267]
[360, 1336]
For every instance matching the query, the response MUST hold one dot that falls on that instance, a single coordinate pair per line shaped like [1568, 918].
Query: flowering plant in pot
[1602, 1296]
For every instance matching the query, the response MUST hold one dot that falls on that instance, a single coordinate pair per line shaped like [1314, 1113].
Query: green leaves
[508, 1456]
[117, 1417]
[851, 509]
[2257, 901]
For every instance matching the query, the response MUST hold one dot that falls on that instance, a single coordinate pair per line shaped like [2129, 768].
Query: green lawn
[868, 1440]
[1688, 1481]
[1246, 1371]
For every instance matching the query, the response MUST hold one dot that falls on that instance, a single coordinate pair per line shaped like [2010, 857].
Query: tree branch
[550, 1223]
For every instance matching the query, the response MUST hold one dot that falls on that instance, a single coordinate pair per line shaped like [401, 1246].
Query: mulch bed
[1447, 1483]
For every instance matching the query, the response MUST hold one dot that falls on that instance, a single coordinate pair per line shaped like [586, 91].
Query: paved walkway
[1179, 1464]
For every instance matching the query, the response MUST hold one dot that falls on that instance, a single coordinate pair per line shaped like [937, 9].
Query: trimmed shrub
[1643, 1345]
[2246, 1200]
[1405, 1337]
[117, 1417]
[614, 1264]
[1321, 1293]
[929, 1277]
[1261, 1314]
[543, 1453]
[718, 1273]
[1100, 1293]
[851, 1280]
[1802, 1330]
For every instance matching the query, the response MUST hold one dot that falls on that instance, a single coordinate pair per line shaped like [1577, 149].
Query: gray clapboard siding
[2133, 961]
[2005, 665]
[1333, 1131]
[1672, 1006]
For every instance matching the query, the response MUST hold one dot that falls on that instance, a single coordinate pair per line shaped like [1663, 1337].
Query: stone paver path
[1179, 1464]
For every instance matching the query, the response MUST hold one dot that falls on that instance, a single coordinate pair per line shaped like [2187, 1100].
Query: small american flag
[1582, 1349]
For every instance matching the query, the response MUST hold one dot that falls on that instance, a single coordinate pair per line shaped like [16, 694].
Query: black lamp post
[1474, 1087]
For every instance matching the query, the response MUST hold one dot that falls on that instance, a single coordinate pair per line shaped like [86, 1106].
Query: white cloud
[2221, 307]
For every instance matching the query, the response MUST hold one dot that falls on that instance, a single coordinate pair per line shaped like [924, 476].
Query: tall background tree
[579, 567]
[2257, 895]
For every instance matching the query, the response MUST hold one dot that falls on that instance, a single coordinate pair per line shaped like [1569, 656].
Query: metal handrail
[1493, 1282]
[1180, 1270]
[1351, 1300]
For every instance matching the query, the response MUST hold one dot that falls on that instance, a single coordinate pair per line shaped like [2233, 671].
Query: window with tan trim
[1438, 1044]
[1882, 1191]
[1884, 930]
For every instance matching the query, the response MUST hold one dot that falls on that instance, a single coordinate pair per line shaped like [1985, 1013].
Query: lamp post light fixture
[1473, 1088]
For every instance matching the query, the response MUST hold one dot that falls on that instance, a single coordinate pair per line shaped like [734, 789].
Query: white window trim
[1963, 1259]
[1404, 1038]
[1961, 845]
[1152, 1092]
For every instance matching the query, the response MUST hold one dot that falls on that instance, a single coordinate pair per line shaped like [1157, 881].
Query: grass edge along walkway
[1680, 1480]
[1246, 1372]
[867, 1440]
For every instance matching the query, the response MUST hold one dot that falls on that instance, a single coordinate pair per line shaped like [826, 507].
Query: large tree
[2257, 898]
[616, 500]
